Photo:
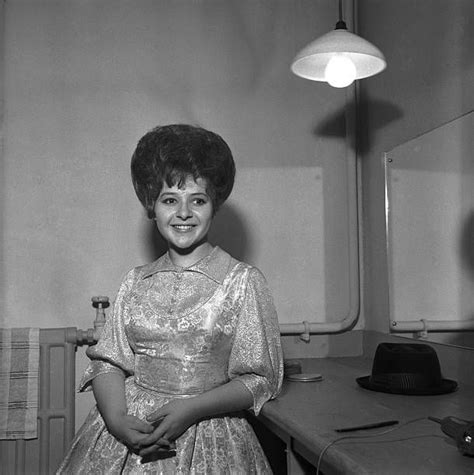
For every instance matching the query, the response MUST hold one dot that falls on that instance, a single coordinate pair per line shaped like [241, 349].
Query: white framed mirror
[429, 184]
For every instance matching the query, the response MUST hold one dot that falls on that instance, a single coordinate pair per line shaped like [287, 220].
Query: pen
[375, 425]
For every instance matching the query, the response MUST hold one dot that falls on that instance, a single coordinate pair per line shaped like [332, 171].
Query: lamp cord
[341, 24]
[320, 458]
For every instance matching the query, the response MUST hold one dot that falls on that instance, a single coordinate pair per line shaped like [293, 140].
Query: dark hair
[171, 153]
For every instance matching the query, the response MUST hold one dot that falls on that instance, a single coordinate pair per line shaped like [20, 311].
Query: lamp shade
[311, 61]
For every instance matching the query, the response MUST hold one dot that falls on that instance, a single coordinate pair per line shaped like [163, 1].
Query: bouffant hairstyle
[171, 153]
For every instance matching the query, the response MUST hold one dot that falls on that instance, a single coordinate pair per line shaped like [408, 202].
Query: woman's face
[184, 215]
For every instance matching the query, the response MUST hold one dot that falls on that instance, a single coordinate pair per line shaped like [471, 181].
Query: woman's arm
[109, 393]
[256, 358]
[230, 397]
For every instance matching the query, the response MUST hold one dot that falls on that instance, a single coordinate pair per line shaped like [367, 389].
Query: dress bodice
[183, 349]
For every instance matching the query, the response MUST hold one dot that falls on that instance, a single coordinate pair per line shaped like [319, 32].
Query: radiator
[57, 391]
[55, 412]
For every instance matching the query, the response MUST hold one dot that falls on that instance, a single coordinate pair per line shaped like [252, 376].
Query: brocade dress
[177, 332]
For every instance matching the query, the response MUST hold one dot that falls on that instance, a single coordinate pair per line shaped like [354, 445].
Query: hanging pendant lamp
[338, 57]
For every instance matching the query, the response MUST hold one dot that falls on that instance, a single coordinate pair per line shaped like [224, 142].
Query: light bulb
[340, 71]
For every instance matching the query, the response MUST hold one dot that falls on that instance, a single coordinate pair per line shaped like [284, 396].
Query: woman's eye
[200, 201]
[168, 201]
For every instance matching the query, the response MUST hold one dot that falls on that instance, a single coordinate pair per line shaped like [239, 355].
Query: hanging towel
[19, 376]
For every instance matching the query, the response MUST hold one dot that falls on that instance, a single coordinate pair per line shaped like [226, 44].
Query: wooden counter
[306, 415]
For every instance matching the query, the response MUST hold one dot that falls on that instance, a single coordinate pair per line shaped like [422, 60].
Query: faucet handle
[100, 302]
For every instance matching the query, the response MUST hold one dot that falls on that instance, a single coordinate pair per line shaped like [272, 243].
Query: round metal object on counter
[305, 377]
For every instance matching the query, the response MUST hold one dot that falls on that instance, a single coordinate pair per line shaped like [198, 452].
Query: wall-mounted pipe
[348, 321]
[397, 326]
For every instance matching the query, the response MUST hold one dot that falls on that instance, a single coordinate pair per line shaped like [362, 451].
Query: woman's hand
[129, 430]
[171, 421]
[109, 392]
[176, 416]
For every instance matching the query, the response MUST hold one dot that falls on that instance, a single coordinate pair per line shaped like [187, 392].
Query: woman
[193, 338]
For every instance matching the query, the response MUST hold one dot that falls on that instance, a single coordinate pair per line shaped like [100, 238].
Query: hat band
[405, 380]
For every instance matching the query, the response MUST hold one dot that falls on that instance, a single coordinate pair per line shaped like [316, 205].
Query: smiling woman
[183, 216]
[182, 174]
[193, 339]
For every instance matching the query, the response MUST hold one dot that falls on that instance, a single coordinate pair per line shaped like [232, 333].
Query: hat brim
[446, 386]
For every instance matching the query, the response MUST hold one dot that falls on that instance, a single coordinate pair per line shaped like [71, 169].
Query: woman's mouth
[183, 228]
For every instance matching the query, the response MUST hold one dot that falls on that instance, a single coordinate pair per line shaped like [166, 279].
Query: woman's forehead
[189, 184]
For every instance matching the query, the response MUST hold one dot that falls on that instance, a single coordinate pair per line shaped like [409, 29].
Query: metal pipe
[348, 321]
[422, 325]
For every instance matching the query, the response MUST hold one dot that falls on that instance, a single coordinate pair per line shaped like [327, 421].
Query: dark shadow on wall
[466, 244]
[227, 231]
[372, 116]
[335, 125]
[378, 113]
[155, 245]
[230, 233]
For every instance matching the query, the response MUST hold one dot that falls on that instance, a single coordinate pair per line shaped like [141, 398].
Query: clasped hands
[160, 431]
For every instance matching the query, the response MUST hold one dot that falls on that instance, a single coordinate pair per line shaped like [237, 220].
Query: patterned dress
[177, 332]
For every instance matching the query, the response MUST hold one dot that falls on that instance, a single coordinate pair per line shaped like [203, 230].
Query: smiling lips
[183, 228]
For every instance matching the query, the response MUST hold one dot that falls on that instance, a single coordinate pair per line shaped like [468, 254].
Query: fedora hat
[406, 368]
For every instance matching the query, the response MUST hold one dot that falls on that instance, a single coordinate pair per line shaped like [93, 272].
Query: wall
[428, 82]
[84, 79]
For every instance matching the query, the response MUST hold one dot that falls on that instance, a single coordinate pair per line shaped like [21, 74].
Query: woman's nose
[184, 211]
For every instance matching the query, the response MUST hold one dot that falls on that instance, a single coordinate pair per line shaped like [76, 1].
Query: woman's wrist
[189, 409]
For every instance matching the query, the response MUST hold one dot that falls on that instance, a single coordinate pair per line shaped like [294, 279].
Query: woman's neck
[188, 257]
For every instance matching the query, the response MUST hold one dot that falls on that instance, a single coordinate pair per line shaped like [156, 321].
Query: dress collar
[215, 265]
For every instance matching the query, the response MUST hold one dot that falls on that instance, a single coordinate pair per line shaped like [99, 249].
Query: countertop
[307, 413]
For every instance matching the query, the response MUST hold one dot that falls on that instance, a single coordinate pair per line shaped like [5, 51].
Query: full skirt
[218, 445]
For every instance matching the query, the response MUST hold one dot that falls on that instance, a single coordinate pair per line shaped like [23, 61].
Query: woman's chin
[187, 247]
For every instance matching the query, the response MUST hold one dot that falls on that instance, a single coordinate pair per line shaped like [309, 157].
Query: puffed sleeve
[112, 353]
[256, 356]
